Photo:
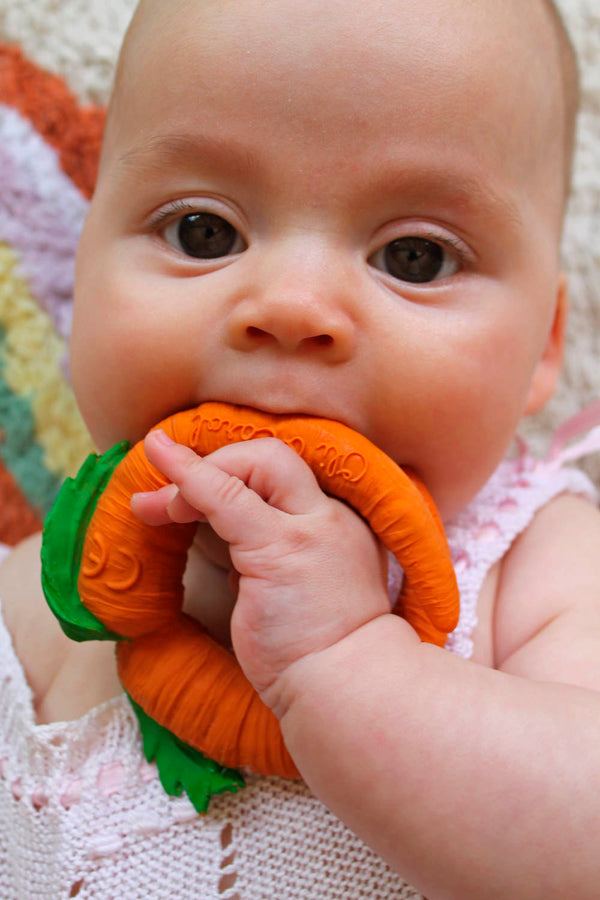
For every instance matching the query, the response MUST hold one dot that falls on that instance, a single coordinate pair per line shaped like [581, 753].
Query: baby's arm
[471, 782]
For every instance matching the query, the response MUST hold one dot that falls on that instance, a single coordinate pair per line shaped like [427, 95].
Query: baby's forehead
[524, 18]
[527, 30]
[504, 47]
[189, 13]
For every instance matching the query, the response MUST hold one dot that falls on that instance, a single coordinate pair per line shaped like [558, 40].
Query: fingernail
[142, 495]
[163, 438]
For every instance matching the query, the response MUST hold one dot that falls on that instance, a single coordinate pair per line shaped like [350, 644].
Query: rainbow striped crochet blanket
[49, 149]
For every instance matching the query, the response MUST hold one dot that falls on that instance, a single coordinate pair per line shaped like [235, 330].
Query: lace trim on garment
[49, 754]
[483, 532]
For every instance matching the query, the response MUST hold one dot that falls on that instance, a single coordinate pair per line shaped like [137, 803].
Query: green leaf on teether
[62, 545]
[180, 767]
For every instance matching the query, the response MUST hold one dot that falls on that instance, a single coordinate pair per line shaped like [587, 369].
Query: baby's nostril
[253, 332]
[259, 336]
[323, 340]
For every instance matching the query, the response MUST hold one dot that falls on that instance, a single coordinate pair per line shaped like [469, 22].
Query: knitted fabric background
[56, 64]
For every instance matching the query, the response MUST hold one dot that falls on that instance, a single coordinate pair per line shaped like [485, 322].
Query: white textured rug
[79, 39]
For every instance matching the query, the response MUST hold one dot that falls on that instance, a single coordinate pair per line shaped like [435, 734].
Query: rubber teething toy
[107, 575]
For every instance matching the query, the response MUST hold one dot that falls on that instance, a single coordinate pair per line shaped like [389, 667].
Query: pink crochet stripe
[74, 131]
[42, 215]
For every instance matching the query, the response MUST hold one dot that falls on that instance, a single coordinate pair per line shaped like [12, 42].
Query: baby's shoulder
[51, 662]
[547, 606]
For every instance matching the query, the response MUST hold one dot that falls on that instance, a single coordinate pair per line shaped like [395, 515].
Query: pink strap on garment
[586, 422]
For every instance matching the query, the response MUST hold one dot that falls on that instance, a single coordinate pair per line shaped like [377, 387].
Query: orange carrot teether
[131, 578]
[107, 575]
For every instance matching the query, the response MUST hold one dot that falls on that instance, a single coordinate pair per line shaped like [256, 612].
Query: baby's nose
[294, 321]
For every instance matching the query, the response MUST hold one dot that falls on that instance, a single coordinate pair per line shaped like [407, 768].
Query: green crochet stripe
[20, 452]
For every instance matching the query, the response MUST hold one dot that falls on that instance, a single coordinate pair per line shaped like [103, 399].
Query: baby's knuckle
[230, 489]
[277, 452]
[300, 537]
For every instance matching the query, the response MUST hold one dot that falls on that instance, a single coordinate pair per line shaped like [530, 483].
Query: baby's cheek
[466, 450]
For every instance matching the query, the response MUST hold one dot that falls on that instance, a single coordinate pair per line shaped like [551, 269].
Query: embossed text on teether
[234, 431]
[351, 466]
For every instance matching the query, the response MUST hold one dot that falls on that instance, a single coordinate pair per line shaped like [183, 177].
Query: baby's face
[353, 216]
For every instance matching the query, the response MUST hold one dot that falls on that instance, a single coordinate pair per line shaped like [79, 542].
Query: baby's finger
[273, 471]
[242, 489]
[164, 506]
[151, 506]
[267, 466]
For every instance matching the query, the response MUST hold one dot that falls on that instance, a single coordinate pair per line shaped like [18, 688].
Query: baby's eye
[203, 235]
[417, 260]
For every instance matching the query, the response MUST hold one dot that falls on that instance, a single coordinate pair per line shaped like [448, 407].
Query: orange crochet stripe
[18, 519]
[131, 579]
[45, 99]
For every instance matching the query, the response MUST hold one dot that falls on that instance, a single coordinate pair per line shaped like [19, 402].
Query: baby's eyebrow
[450, 187]
[454, 188]
[160, 151]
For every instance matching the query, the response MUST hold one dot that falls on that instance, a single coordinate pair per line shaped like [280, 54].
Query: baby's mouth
[316, 407]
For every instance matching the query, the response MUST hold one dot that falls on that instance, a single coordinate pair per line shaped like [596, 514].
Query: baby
[353, 210]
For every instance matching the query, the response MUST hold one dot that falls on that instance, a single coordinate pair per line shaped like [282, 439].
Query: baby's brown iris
[206, 236]
[414, 259]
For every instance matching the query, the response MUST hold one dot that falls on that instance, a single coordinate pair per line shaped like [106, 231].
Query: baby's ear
[545, 376]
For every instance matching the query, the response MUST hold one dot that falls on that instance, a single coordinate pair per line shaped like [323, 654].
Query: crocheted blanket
[48, 155]
[56, 64]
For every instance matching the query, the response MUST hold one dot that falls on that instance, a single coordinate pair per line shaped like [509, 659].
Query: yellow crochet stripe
[32, 370]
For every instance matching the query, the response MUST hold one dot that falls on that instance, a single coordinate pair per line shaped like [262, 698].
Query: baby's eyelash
[447, 241]
[177, 207]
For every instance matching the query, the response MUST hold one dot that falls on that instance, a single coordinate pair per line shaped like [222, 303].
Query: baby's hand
[309, 570]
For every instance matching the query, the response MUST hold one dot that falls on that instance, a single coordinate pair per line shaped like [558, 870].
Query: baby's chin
[453, 495]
